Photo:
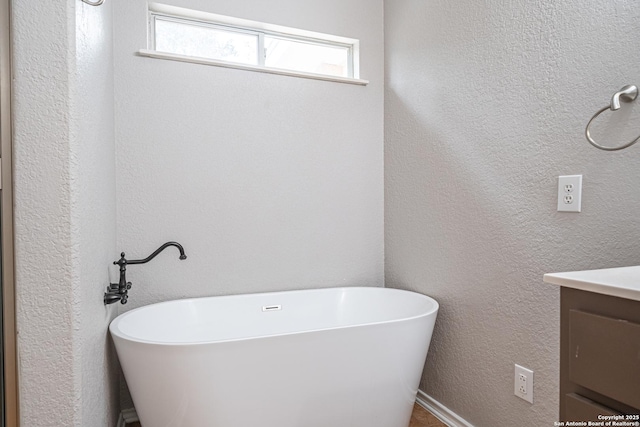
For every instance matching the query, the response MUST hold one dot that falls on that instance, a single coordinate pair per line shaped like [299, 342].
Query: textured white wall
[270, 182]
[64, 211]
[42, 195]
[485, 106]
[94, 211]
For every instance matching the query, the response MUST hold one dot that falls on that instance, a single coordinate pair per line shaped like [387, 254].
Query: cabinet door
[579, 408]
[605, 356]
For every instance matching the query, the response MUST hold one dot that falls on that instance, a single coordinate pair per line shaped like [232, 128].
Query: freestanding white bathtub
[337, 357]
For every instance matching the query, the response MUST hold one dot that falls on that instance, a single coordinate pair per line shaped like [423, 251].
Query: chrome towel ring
[94, 3]
[627, 94]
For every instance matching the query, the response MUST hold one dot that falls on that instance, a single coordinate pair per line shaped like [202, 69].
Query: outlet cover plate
[570, 193]
[523, 383]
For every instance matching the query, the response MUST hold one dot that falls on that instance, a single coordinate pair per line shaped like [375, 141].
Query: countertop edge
[581, 281]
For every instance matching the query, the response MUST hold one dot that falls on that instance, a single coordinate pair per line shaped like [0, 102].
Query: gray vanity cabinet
[599, 356]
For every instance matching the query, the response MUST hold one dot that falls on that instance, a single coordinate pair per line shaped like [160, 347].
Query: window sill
[195, 60]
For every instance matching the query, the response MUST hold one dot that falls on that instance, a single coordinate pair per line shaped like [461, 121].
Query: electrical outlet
[523, 383]
[570, 193]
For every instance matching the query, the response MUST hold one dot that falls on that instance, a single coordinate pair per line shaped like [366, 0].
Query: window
[205, 41]
[307, 56]
[215, 38]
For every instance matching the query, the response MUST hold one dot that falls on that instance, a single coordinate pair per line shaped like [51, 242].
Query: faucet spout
[156, 252]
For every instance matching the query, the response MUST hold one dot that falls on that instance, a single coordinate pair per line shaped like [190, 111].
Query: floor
[420, 418]
[423, 418]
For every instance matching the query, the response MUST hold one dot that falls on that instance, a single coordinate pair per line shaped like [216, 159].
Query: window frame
[261, 30]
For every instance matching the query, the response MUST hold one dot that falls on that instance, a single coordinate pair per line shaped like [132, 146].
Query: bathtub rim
[117, 333]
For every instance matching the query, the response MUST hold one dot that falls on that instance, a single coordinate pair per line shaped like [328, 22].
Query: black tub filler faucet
[119, 291]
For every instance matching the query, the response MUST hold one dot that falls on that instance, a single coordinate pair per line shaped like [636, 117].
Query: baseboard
[127, 416]
[441, 412]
